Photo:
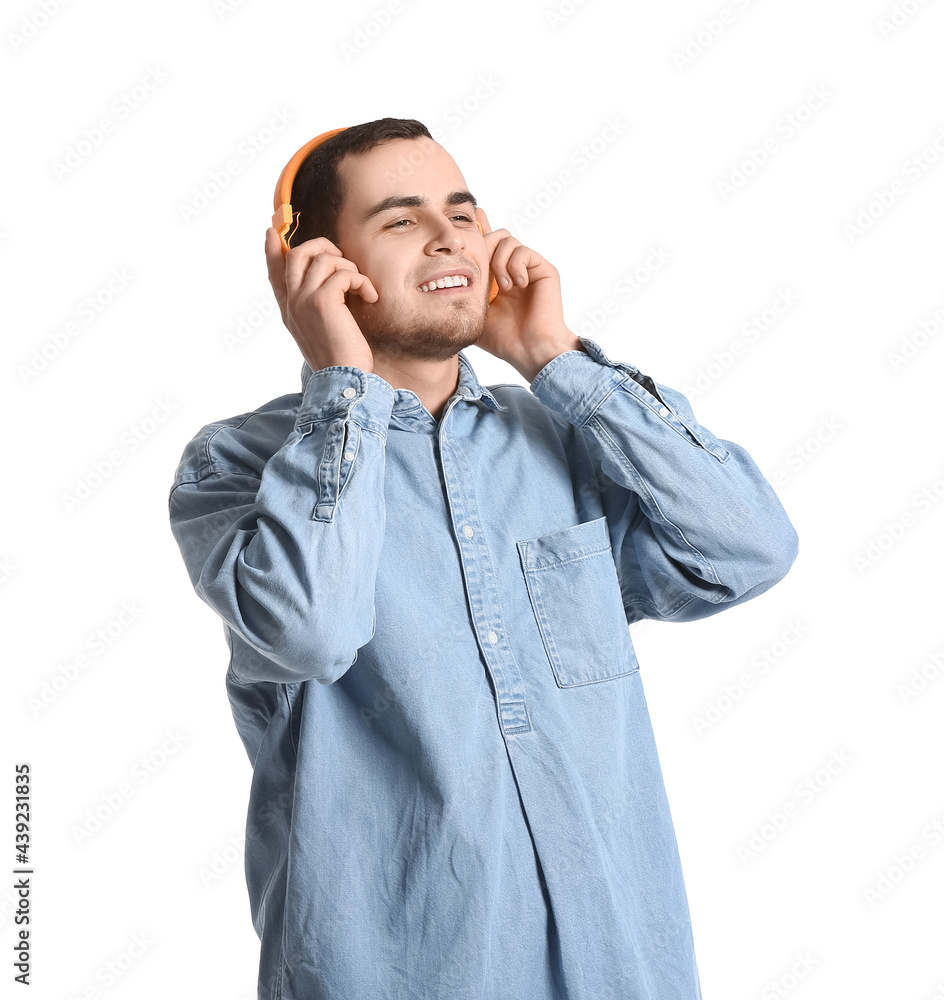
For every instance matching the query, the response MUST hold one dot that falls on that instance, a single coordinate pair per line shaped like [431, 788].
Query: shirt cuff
[576, 384]
[583, 382]
[339, 390]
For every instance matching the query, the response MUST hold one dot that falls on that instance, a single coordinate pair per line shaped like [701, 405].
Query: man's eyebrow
[417, 201]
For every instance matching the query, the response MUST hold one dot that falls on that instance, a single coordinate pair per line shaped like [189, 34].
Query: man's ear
[482, 220]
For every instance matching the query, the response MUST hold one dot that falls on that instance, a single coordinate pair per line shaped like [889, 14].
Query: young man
[426, 585]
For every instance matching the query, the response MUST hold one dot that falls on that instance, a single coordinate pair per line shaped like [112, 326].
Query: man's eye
[405, 223]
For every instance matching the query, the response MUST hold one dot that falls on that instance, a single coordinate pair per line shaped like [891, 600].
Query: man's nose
[446, 239]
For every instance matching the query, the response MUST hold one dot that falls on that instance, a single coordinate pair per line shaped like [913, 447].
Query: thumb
[275, 263]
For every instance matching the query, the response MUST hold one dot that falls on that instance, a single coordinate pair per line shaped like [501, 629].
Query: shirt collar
[469, 386]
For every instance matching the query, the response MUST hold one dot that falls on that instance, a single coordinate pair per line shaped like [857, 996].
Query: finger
[362, 285]
[320, 244]
[345, 280]
[522, 259]
[500, 257]
[312, 265]
[275, 263]
[298, 258]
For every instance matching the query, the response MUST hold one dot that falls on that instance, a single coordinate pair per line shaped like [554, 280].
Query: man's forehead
[403, 155]
[401, 168]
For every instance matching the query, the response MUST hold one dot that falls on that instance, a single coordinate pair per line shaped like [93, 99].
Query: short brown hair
[318, 192]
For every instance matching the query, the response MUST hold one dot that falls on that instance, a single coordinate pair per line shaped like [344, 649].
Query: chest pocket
[575, 595]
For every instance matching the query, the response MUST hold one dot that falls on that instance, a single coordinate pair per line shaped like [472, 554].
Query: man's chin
[424, 332]
[422, 339]
[422, 343]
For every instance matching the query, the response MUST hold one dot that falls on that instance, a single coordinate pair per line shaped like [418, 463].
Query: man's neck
[433, 381]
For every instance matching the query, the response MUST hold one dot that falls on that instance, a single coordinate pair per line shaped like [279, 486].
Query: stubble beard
[390, 332]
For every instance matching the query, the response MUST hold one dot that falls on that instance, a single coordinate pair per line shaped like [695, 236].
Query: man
[426, 585]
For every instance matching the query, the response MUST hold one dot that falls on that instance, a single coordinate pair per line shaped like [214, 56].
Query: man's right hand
[310, 283]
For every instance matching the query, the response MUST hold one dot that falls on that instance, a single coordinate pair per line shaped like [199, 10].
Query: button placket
[481, 585]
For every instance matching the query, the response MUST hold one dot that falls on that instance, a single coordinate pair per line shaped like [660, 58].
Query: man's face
[404, 245]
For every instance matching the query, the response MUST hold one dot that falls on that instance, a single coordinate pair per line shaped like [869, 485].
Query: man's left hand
[525, 325]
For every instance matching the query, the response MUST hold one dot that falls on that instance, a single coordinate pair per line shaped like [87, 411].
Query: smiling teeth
[448, 282]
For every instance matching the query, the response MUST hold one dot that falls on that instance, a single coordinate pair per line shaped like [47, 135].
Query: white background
[159, 269]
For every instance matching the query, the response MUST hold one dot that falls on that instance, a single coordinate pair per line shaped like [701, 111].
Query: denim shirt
[456, 792]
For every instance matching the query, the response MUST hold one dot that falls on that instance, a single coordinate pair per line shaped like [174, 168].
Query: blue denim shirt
[456, 793]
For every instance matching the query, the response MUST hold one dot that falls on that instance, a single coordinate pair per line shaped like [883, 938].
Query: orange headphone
[284, 218]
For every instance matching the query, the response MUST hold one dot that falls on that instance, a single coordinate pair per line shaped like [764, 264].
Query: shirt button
[467, 531]
[349, 456]
[349, 392]
[664, 412]
[492, 638]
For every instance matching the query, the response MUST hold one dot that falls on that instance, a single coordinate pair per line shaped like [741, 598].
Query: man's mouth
[453, 282]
